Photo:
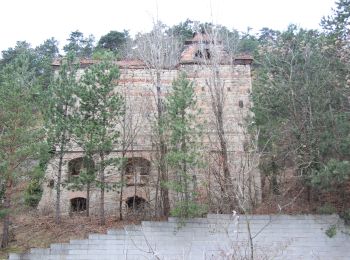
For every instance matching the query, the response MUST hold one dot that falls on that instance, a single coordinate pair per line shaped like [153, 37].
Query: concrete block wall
[214, 237]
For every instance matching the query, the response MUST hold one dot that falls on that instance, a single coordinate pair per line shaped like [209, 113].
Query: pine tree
[183, 146]
[338, 24]
[96, 119]
[20, 135]
[59, 104]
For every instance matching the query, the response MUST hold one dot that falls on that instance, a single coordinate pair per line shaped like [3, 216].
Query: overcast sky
[37, 20]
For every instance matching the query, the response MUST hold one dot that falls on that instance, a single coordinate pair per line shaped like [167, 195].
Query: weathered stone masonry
[136, 83]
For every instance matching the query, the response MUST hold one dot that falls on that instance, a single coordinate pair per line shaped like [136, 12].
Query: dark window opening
[51, 184]
[76, 165]
[137, 165]
[240, 104]
[198, 54]
[78, 204]
[207, 54]
[137, 170]
[228, 89]
[136, 203]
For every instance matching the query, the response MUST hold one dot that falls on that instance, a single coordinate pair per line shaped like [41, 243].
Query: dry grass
[30, 230]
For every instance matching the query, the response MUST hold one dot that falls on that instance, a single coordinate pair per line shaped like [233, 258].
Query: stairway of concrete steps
[214, 237]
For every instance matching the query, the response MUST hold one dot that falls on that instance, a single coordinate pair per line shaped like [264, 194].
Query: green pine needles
[183, 156]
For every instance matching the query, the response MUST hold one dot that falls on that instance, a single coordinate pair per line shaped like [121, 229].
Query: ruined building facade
[202, 65]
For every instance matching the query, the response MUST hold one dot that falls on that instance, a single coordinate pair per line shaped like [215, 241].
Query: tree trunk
[88, 199]
[229, 193]
[223, 146]
[59, 177]
[184, 168]
[217, 97]
[123, 161]
[135, 179]
[156, 205]
[102, 194]
[122, 189]
[6, 220]
[162, 164]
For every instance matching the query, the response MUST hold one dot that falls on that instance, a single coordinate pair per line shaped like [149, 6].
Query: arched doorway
[78, 204]
[136, 203]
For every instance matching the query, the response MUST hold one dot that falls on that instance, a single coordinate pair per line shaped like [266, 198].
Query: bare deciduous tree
[130, 124]
[217, 47]
[159, 50]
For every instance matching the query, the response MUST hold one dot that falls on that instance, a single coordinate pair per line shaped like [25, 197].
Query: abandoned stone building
[136, 84]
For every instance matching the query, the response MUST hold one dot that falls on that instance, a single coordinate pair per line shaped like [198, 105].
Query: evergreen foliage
[58, 103]
[183, 156]
[338, 24]
[82, 46]
[301, 106]
[20, 134]
[114, 41]
[96, 120]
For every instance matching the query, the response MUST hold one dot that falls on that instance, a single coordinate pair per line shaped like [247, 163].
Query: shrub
[346, 216]
[326, 209]
[334, 173]
[189, 209]
[34, 191]
[331, 231]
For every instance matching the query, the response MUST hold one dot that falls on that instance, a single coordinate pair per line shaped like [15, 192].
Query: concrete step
[116, 232]
[214, 237]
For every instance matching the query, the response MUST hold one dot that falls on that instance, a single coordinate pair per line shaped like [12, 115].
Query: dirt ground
[29, 230]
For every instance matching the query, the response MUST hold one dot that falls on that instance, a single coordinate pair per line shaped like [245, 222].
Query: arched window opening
[78, 204]
[74, 166]
[139, 165]
[136, 202]
[77, 165]
[137, 170]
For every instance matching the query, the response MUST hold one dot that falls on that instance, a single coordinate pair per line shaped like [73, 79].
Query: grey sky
[37, 20]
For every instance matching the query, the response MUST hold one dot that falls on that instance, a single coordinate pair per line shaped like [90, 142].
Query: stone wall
[137, 86]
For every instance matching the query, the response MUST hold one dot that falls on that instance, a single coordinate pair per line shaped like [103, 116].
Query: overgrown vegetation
[301, 105]
[326, 209]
